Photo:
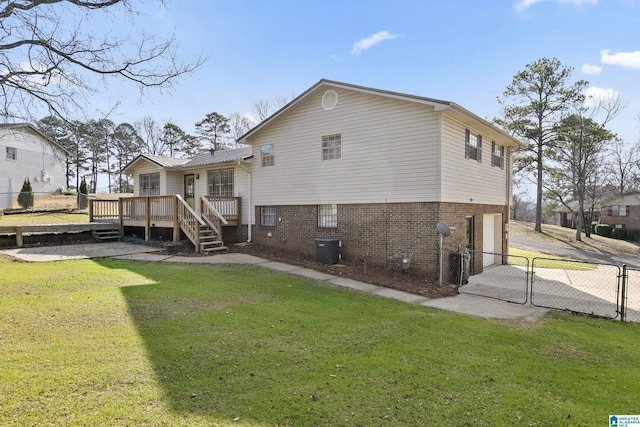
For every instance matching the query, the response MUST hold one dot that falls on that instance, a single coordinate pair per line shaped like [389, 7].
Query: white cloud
[624, 59]
[596, 95]
[591, 69]
[522, 5]
[372, 40]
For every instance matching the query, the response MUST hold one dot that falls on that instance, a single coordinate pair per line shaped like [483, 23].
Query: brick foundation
[373, 233]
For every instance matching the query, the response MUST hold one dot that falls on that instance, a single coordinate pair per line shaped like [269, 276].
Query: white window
[331, 147]
[220, 182]
[473, 146]
[267, 155]
[497, 155]
[268, 216]
[328, 216]
[619, 210]
[12, 153]
[150, 184]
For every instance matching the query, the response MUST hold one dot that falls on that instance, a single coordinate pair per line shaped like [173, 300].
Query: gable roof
[27, 127]
[449, 108]
[206, 158]
[219, 156]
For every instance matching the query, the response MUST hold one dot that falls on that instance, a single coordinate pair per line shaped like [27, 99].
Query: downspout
[509, 174]
[250, 210]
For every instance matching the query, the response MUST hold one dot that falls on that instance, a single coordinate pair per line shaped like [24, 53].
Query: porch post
[147, 222]
[176, 222]
[121, 216]
[239, 213]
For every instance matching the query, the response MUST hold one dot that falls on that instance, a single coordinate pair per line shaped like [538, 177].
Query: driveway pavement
[464, 304]
[573, 253]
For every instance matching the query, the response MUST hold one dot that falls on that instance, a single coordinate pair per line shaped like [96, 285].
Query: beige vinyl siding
[466, 179]
[146, 168]
[174, 183]
[240, 186]
[389, 153]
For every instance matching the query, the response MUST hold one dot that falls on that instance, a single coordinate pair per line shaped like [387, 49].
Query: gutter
[250, 202]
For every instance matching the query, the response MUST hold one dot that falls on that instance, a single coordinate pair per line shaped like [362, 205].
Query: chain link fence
[42, 201]
[596, 289]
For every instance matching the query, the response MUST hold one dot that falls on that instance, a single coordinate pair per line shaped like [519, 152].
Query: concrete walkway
[465, 304]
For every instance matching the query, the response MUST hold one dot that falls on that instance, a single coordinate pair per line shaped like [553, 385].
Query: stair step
[104, 235]
[216, 249]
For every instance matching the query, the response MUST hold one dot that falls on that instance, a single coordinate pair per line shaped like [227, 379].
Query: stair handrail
[218, 219]
[189, 222]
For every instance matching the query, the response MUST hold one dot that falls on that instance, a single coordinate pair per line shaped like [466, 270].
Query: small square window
[267, 155]
[268, 216]
[331, 147]
[12, 153]
[328, 216]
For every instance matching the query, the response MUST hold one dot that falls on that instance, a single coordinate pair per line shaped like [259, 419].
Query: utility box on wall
[326, 250]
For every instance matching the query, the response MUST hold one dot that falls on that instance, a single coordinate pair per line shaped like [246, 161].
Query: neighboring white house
[377, 170]
[25, 152]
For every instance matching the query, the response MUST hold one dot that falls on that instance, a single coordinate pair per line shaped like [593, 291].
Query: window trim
[220, 188]
[268, 216]
[473, 151]
[328, 215]
[267, 158]
[619, 210]
[497, 159]
[149, 189]
[331, 151]
[14, 150]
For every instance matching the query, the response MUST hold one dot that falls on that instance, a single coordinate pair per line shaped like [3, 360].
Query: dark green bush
[25, 198]
[83, 195]
[603, 230]
[593, 226]
[633, 234]
[619, 233]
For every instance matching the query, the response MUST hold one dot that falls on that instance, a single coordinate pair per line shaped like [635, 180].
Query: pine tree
[83, 195]
[25, 198]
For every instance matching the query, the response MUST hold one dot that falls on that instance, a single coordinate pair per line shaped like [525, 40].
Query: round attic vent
[329, 100]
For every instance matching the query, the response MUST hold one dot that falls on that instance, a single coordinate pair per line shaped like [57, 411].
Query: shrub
[1, 212]
[83, 195]
[25, 198]
[633, 234]
[593, 226]
[603, 230]
[619, 233]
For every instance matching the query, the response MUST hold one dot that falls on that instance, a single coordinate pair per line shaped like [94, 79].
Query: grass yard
[43, 218]
[116, 343]
[547, 262]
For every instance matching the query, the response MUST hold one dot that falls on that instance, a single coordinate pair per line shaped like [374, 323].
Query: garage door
[491, 232]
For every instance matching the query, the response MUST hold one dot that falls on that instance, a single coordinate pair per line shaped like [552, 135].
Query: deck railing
[210, 214]
[227, 207]
[104, 210]
[189, 222]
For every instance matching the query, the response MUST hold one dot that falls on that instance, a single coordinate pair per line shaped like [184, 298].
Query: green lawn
[43, 218]
[115, 343]
[517, 257]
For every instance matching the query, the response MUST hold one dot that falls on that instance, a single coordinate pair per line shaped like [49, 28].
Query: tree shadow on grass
[238, 343]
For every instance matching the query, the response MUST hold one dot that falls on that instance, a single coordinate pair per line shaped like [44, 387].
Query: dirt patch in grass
[388, 278]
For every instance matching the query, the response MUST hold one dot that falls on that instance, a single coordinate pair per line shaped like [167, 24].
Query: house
[27, 153]
[622, 211]
[222, 177]
[565, 215]
[377, 170]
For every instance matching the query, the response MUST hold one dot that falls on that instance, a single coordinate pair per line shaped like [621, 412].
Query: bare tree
[239, 124]
[151, 133]
[622, 167]
[49, 53]
[263, 108]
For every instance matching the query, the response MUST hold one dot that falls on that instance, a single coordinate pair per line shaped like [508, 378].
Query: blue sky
[461, 51]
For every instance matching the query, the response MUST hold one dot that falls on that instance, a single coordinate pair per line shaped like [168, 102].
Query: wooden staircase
[210, 242]
[109, 235]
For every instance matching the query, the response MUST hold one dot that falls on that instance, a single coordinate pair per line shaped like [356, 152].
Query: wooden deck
[169, 212]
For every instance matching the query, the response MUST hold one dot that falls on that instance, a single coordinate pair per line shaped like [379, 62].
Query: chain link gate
[596, 289]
